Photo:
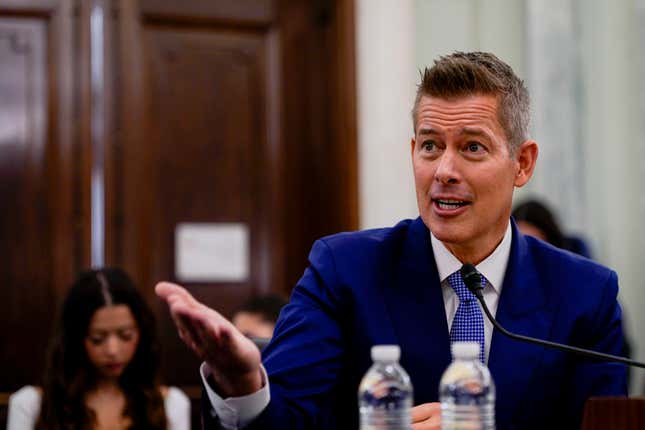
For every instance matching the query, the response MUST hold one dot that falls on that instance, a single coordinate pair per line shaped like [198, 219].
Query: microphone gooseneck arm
[472, 280]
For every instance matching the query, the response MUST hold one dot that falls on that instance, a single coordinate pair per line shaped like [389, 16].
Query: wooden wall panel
[23, 190]
[320, 151]
[37, 247]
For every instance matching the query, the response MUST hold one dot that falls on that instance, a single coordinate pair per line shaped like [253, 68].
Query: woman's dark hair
[69, 374]
[537, 214]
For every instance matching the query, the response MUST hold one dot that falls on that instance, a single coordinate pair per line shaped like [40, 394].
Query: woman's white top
[24, 407]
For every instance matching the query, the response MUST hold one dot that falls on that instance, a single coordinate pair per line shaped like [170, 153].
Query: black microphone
[472, 279]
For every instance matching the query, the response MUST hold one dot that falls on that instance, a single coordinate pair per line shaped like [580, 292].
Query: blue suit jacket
[382, 287]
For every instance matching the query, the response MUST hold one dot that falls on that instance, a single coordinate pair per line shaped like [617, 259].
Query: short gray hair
[468, 73]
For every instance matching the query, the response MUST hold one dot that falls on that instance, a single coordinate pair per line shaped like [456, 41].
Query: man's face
[464, 173]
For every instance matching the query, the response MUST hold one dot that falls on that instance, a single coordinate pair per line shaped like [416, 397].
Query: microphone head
[472, 279]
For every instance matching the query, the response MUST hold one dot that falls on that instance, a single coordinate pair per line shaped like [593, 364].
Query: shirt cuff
[236, 412]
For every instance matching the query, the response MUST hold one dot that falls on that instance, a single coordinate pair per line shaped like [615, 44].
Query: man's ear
[412, 143]
[525, 157]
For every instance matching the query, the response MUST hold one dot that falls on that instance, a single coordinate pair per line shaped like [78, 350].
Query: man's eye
[428, 145]
[474, 147]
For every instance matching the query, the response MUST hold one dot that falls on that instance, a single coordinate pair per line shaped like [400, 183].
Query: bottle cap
[386, 353]
[465, 349]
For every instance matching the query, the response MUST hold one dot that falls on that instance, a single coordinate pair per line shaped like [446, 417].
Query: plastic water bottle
[467, 391]
[385, 393]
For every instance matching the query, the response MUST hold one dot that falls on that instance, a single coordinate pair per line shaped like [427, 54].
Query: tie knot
[457, 284]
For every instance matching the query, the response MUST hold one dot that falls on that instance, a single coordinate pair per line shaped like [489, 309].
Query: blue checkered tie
[468, 324]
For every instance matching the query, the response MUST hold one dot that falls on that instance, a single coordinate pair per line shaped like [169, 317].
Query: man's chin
[449, 239]
[447, 232]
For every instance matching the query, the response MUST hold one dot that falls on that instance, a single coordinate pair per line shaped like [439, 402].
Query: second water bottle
[467, 391]
[385, 393]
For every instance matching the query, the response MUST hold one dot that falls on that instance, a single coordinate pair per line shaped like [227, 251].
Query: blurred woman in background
[536, 219]
[103, 365]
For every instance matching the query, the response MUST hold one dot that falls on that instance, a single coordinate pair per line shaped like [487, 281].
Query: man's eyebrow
[426, 131]
[473, 132]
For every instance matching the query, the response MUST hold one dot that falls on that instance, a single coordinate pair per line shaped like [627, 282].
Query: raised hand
[232, 357]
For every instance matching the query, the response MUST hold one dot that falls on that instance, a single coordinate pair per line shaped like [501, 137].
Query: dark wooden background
[216, 111]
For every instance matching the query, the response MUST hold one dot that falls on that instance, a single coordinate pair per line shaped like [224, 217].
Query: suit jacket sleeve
[304, 359]
[593, 378]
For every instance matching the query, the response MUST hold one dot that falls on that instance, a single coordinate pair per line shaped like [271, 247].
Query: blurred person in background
[103, 365]
[536, 219]
[256, 318]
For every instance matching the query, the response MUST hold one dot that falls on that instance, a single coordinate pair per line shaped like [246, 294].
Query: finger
[188, 330]
[165, 290]
[425, 411]
[197, 312]
[180, 307]
[208, 329]
[190, 342]
[203, 318]
[227, 335]
[184, 320]
[183, 325]
[197, 325]
[212, 326]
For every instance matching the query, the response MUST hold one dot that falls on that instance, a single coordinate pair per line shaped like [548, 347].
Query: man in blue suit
[392, 286]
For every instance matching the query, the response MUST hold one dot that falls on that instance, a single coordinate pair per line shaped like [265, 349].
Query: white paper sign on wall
[212, 252]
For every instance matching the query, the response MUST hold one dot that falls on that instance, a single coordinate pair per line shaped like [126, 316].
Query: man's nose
[448, 168]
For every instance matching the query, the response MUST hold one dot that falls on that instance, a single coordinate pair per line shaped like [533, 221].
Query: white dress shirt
[237, 412]
[492, 268]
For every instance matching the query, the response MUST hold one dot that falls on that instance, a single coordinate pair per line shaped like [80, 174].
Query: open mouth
[450, 204]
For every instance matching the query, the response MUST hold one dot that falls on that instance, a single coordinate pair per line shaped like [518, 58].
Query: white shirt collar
[492, 267]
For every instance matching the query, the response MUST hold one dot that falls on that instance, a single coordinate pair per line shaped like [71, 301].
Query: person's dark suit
[382, 287]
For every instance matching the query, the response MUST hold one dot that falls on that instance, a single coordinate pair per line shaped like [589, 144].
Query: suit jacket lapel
[522, 309]
[415, 304]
